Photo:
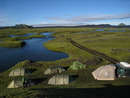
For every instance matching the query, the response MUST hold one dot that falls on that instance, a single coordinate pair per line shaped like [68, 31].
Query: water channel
[33, 50]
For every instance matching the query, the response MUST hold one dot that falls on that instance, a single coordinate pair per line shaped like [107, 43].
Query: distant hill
[98, 26]
[58, 26]
[19, 26]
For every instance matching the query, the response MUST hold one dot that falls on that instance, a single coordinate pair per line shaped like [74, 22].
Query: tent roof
[55, 67]
[17, 72]
[59, 80]
[16, 83]
[52, 70]
[77, 65]
[104, 73]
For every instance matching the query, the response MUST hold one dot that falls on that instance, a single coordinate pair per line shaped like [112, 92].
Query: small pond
[33, 50]
[28, 34]
[110, 30]
[103, 30]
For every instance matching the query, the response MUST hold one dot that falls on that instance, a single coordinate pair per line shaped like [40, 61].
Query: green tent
[77, 65]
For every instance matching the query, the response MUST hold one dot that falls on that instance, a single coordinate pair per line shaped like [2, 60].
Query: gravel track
[102, 55]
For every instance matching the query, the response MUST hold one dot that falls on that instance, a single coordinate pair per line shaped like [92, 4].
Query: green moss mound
[36, 36]
[12, 44]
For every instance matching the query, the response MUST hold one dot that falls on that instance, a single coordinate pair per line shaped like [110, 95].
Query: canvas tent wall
[17, 72]
[53, 70]
[77, 65]
[16, 83]
[20, 82]
[104, 73]
[60, 80]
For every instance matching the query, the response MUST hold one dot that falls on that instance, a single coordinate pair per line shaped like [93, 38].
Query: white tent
[15, 83]
[53, 70]
[104, 73]
[59, 80]
[17, 72]
[19, 82]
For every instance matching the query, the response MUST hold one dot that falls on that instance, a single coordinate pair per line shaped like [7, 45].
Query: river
[33, 50]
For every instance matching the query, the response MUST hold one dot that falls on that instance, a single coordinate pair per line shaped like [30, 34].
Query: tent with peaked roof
[17, 72]
[104, 73]
[19, 82]
[60, 80]
[77, 65]
[16, 83]
[53, 70]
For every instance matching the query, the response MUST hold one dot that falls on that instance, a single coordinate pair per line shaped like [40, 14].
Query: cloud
[2, 21]
[60, 19]
[57, 24]
[43, 22]
[80, 19]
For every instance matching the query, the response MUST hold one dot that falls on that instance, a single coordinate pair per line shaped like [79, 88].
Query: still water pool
[33, 50]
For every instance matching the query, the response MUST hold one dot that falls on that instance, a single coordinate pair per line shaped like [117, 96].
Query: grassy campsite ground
[114, 44]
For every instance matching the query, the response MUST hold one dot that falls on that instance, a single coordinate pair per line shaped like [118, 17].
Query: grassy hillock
[12, 44]
[36, 36]
[114, 44]
[31, 36]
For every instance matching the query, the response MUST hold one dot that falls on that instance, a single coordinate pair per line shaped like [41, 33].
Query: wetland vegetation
[113, 44]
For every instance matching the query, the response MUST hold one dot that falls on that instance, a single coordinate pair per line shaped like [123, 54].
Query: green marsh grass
[12, 44]
[114, 44]
[36, 36]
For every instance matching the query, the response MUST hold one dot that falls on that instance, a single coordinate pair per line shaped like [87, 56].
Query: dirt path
[112, 60]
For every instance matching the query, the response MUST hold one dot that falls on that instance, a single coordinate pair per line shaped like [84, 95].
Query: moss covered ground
[12, 44]
[114, 44]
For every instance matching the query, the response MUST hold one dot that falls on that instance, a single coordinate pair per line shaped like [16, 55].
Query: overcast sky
[54, 12]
